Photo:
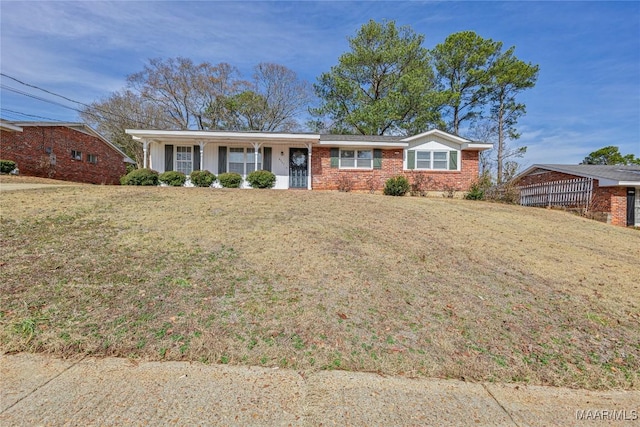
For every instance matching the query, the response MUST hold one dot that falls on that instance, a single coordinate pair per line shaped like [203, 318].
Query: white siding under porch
[210, 159]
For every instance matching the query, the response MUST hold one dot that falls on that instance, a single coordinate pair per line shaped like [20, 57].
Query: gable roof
[77, 126]
[607, 175]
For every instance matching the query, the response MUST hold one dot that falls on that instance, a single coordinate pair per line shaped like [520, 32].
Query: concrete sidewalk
[39, 390]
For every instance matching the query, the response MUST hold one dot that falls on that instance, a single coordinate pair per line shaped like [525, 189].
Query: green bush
[261, 179]
[396, 186]
[479, 187]
[6, 166]
[202, 178]
[173, 178]
[230, 180]
[140, 177]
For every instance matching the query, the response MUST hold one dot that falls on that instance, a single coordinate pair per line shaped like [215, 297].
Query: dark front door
[298, 167]
[632, 202]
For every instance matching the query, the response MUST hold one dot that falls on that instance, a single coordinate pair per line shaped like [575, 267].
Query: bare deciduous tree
[125, 110]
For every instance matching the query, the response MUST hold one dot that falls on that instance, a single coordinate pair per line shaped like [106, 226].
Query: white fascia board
[441, 134]
[10, 127]
[215, 136]
[613, 183]
[476, 146]
[364, 144]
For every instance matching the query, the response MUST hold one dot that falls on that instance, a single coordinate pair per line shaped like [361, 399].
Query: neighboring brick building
[65, 151]
[445, 162]
[612, 191]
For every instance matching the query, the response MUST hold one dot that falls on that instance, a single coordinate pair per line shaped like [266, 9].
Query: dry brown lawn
[322, 280]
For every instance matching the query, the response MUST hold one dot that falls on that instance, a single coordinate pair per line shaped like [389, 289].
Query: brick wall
[34, 147]
[324, 177]
[609, 201]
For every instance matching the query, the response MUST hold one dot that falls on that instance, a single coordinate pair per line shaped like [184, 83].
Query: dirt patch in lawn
[322, 280]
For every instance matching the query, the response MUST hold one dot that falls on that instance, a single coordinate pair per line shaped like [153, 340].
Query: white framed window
[76, 155]
[356, 159]
[423, 159]
[440, 160]
[242, 160]
[184, 159]
[92, 158]
[432, 160]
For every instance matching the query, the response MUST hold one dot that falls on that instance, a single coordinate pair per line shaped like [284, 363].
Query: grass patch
[321, 280]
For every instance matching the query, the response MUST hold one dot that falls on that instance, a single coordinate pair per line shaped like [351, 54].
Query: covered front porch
[287, 156]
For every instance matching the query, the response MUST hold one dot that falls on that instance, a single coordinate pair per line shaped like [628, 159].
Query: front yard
[322, 280]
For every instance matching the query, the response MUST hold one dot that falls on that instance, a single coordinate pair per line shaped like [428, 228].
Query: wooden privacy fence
[566, 193]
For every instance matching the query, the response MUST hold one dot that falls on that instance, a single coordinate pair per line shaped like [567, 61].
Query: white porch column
[309, 168]
[145, 152]
[256, 147]
[202, 144]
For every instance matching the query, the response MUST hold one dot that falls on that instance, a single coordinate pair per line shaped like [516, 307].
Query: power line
[18, 91]
[30, 115]
[44, 90]
[89, 107]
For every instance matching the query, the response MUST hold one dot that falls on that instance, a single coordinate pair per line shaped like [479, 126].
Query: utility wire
[30, 115]
[89, 110]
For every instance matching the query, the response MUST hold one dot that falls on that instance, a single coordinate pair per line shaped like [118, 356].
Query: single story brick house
[315, 161]
[65, 151]
[609, 191]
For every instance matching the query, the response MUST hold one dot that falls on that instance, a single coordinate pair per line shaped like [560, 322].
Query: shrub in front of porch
[202, 178]
[230, 180]
[261, 179]
[140, 177]
[173, 178]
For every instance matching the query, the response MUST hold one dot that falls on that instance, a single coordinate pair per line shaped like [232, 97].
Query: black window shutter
[377, 158]
[222, 160]
[266, 158]
[168, 157]
[335, 152]
[196, 157]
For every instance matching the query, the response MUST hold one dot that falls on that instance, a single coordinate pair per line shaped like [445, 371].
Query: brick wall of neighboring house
[324, 177]
[608, 201]
[612, 201]
[46, 151]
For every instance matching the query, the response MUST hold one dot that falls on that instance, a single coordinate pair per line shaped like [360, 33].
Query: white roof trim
[364, 144]
[441, 134]
[8, 126]
[477, 146]
[217, 135]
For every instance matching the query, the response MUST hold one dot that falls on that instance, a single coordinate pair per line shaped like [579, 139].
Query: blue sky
[587, 95]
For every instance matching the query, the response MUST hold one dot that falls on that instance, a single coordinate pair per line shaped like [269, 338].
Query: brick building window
[432, 160]
[356, 159]
[76, 155]
[92, 158]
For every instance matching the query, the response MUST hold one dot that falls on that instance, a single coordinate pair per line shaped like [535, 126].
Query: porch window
[242, 160]
[236, 160]
[356, 159]
[184, 159]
